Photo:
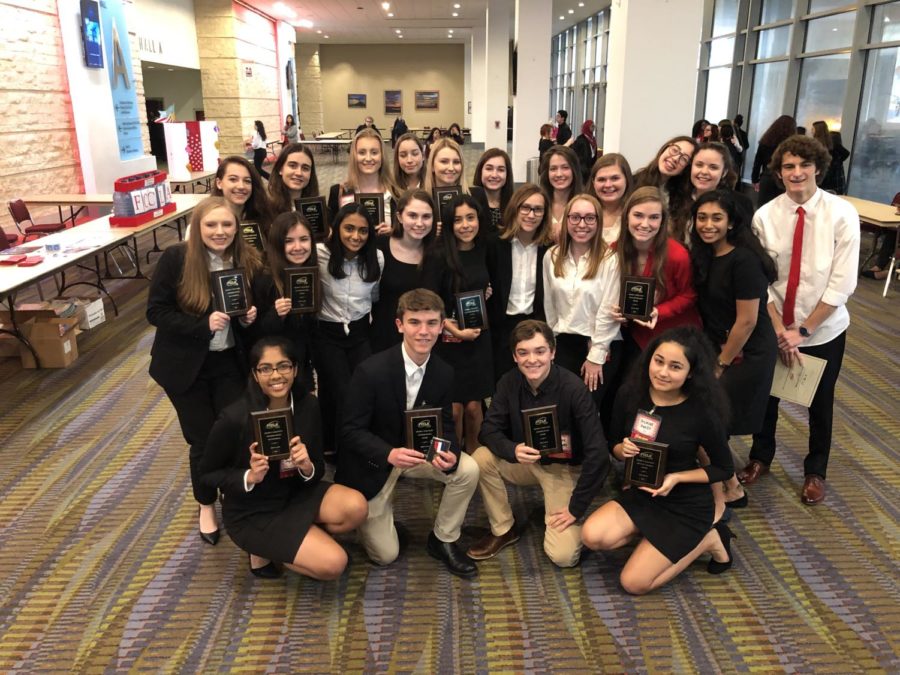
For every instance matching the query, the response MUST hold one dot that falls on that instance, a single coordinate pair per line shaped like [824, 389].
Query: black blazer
[374, 421]
[227, 458]
[182, 340]
[499, 262]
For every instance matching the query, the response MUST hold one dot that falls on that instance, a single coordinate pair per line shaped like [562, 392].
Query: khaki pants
[378, 534]
[557, 482]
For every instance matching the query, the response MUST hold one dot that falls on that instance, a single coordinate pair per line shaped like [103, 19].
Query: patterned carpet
[104, 571]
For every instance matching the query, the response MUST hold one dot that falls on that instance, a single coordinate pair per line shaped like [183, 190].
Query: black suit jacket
[499, 262]
[182, 340]
[373, 416]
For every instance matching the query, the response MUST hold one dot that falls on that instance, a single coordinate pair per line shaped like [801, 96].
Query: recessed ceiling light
[304, 23]
[398, 31]
[562, 18]
[319, 32]
[456, 6]
[385, 5]
[450, 30]
[171, 70]
[581, 4]
[284, 9]
[390, 15]
[571, 11]
[455, 14]
[326, 36]
[151, 67]
[400, 36]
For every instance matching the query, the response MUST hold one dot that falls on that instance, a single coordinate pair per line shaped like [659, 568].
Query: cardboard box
[9, 346]
[90, 312]
[53, 340]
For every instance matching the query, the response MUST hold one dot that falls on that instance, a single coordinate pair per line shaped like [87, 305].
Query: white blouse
[348, 299]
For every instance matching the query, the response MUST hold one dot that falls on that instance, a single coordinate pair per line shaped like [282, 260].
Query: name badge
[646, 426]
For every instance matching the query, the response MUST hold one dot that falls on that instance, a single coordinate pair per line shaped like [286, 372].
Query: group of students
[548, 259]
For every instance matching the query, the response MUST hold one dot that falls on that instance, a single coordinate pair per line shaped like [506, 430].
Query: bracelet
[723, 366]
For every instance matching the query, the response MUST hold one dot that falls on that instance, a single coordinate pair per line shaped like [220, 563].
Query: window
[776, 10]
[830, 32]
[769, 82]
[823, 85]
[718, 86]
[773, 42]
[725, 17]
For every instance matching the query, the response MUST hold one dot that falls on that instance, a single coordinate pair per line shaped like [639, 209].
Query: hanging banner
[121, 79]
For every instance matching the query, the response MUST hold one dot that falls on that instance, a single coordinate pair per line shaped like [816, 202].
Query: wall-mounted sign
[121, 84]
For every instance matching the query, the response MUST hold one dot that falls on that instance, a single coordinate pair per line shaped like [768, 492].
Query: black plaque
[316, 214]
[373, 203]
[273, 431]
[471, 310]
[422, 426]
[637, 297]
[252, 234]
[648, 467]
[443, 196]
[542, 429]
[231, 292]
[302, 287]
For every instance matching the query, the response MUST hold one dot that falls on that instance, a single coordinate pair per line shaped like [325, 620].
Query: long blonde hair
[384, 173]
[436, 147]
[194, 292]
[598, 251]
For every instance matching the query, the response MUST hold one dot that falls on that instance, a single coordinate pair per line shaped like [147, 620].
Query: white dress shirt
[828, 262]
[221, 339]
[524, 277]
[348, 299]
[582, 306]
[611, 233]
[414, 375]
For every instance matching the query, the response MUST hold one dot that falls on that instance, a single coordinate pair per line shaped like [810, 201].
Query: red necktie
[790, 295]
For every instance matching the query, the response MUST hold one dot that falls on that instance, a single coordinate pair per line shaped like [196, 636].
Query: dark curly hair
[802, 146]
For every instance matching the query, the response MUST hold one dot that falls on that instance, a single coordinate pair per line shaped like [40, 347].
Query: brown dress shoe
[751, 473]
[813, 490]
[490, 545]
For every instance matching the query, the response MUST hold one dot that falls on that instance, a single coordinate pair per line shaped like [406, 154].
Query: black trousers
[503, 360]
[821, 413]
[571, 352]
[259, 156]
[335, 356]
[219, 383]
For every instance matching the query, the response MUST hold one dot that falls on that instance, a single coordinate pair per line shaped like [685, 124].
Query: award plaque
[637, 297]
[273, 431]
[648, 467]
[252, 234]
[542, 429]
[230, 291]
[422, 426]
[373, 203]
[471, 310]
[442, 197]
[316, 214]
[302, 287]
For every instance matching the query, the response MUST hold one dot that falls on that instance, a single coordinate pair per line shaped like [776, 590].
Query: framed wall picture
[392, 102]
[356, 100]
[428, 99]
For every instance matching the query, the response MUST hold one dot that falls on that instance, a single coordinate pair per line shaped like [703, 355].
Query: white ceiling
[365, 21]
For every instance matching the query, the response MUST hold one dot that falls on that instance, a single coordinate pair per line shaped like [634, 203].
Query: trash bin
[532, 167]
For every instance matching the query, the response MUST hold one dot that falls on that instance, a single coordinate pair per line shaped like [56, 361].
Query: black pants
[335, 356]
[219, 383]
[503, 360]
[259, 156]
[821, 413]
[571, 352]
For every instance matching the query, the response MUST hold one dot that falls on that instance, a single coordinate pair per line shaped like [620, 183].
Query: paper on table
[798, 384]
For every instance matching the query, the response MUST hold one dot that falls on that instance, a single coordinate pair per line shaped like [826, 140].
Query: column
[496, 92]
[652, 75]
[531, 105]
[309, 90]
[479, 112]
[467, 85]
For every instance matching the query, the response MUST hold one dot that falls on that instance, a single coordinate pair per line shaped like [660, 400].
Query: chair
[8, 239]
[37, 228]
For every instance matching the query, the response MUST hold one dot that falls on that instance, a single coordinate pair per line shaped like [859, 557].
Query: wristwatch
[803, 332]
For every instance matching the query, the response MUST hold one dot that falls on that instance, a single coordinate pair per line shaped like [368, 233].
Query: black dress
[739, 275]
[472, 360]
[396, 279]
[273, 518]
[675, 524]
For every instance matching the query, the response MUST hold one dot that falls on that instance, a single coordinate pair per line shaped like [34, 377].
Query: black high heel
[211, 538]
[268, 571]
[726, 535]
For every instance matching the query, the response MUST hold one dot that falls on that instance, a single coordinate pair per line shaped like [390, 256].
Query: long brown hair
[401, 180]
[598, 251]
[625, 248]
[256, 208]
[611, 159]
[511, 214]
[571, 159]
[279, 195]
[275, 257]
[194, 291]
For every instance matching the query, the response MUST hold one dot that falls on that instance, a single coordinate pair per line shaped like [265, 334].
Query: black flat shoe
[268, 571]
[452, 556]
[211, 538]
[738, 503]
[726, 535]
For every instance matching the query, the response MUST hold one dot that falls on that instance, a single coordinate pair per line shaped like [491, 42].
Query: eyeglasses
[576, 218]
[283, 368]
[674, 151]
[525, 209]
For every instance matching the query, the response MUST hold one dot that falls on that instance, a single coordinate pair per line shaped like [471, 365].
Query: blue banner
[121, 79]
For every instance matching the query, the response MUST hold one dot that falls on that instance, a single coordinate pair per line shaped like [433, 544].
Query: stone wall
[309, 90]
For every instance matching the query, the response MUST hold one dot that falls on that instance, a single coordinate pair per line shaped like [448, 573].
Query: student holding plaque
[280, 511]
[492, 187]
[561, 179]
[814, 237]
[409, 164]
[535, 395]
[672, 398]
[515, 262]
[293, 177]
[610, 183]
[445, 166]
[350, 265]
[466, 342]
[367, 173]
[405, 254]
[290, 245]
[198, 351]
[732, 273]
[375, 450]
[581, 288]
[239, 183]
